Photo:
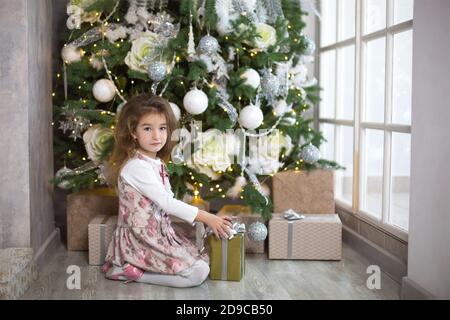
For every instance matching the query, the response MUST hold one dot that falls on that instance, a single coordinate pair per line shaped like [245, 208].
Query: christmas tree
[236, 66]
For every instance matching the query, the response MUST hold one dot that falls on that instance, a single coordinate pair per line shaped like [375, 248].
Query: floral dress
[144, 236]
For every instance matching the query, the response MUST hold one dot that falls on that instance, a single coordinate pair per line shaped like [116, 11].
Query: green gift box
[227, 258]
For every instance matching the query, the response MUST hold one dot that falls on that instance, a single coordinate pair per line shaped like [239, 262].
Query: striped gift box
[317, 237]
[100, 231]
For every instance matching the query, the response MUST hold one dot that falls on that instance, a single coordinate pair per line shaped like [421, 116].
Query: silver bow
[291, 215]
[236, 228]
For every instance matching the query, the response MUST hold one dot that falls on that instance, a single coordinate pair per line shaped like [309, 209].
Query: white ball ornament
[252, 78]
[280, 108]
[251, 117]
[71, 54]
[289, 121]
[195, 101]
[104, 90]
[176, 110]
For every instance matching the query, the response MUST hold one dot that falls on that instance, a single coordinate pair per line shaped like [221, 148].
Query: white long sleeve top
[144, 175]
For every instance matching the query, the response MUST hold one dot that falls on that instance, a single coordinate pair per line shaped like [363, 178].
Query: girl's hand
[219, 225]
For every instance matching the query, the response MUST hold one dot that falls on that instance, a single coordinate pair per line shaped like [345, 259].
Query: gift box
[100, 231]
[316, 237]
[306, 192]
[194, 232]
[227, 258]
[18, 271]
[82, 207]
[244, 215]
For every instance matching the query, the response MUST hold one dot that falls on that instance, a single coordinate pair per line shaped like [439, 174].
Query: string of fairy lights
[120, 91]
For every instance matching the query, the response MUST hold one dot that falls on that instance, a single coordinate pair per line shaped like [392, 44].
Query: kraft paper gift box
[305, 192]
[100, 231]
[316, 237]
[193, 232]
[227, 258]
[244, 215]
[82, 207]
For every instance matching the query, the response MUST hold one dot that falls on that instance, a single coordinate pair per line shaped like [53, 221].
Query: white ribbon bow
[292, 215]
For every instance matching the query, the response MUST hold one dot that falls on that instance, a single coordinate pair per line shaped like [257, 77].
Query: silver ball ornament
[208, 45]
[310, 154]
[257, 231]
[64, 171]
[157, 71]
[310, 46]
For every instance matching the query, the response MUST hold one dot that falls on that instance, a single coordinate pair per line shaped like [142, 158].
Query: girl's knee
[199, 273]
[205, 269]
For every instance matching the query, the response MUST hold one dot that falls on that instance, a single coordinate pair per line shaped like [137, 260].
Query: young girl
[144, 247]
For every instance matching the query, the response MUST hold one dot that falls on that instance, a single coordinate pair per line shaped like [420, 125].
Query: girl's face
[151, 134]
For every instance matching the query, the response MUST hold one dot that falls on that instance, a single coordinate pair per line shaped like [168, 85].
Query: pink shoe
[106, 267]
[130, 273]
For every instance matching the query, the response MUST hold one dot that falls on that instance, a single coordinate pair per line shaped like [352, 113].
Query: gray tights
[191, 277]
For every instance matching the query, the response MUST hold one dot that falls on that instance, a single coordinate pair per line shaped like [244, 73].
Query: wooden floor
[263, 279]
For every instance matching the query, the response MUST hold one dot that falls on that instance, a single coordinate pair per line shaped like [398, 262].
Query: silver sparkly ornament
[157, 71]
[73, 123]
[208, 45]
[257, 231]
[310, 46]
[270, 84]
[310, 154]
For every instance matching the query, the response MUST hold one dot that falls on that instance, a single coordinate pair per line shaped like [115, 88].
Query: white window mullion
[338, 25]
[317, 63]
[338, 95]
[337, 144]
[336, 65]
[388, 115]
[357, 157]
[337, 154]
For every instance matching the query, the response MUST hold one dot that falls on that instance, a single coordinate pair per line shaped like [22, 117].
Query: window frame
[360, 41]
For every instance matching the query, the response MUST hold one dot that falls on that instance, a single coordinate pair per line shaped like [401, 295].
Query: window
[365, 71]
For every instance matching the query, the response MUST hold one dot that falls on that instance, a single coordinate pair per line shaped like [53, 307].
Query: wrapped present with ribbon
[100, 231]
[311, 192]
[244, 215]
[82, 207]
[227, 256]
[305, 236]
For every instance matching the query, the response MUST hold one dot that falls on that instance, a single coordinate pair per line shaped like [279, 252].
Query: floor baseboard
[387, 262]
[411, 290]
[47, 249]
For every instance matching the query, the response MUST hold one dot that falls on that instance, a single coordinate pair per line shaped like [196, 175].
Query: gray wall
[429, 230]
[26, 209]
